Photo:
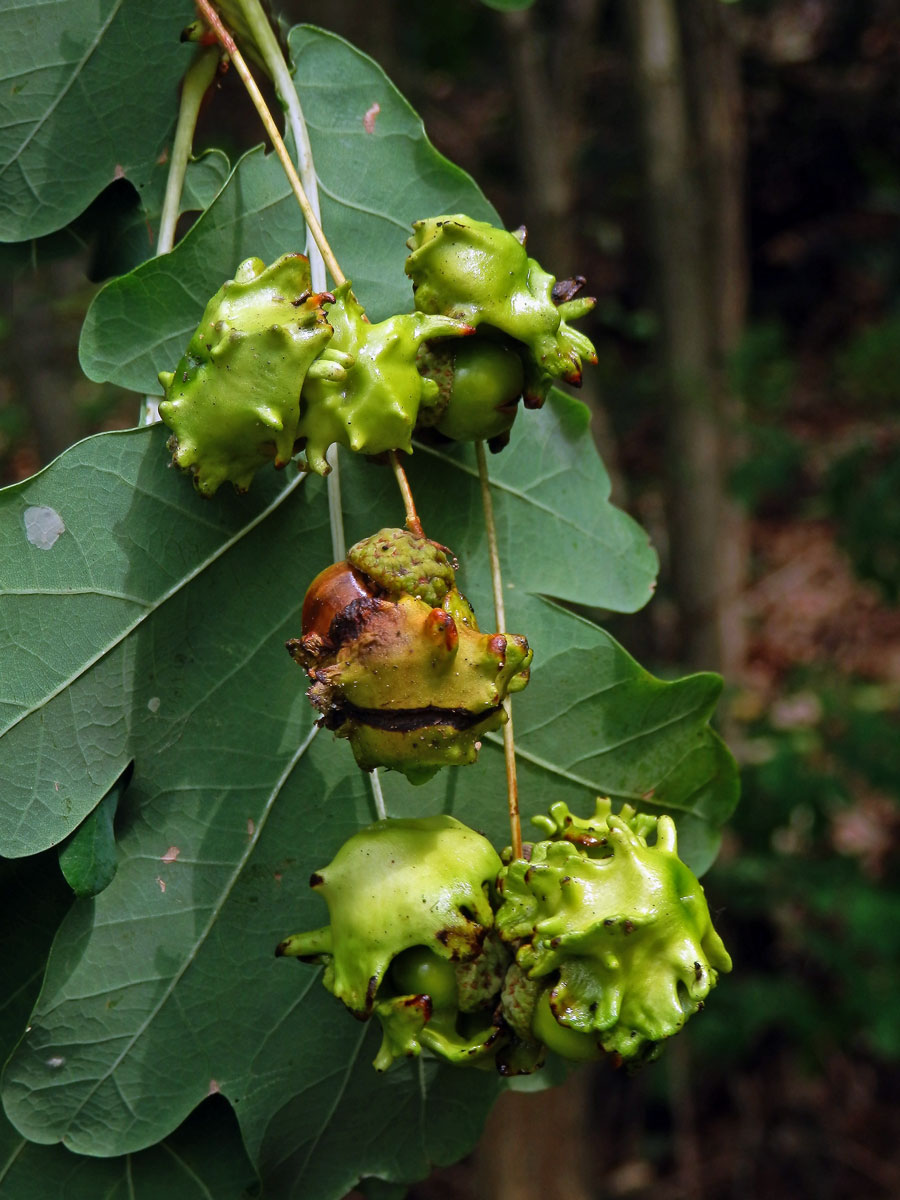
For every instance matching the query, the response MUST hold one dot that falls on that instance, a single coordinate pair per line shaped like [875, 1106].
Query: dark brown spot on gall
[422, 1003]
[316, 880]
[371, 989]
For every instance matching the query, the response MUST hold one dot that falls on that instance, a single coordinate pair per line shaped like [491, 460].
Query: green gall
[626, 936]
[484, 276]
[591, 834]
[365, 392]
[406, 899]
[233, 401]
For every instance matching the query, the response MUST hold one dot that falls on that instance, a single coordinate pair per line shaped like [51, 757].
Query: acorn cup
[397, 662]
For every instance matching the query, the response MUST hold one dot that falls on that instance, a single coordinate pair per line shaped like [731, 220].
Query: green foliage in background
[808, 886]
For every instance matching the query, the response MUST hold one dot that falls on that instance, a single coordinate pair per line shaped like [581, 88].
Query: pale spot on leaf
[369, 118]
[119, 172]
[43, 526]
[162, 884]
[56, 1062]
[251, 827]
[170, 855]
[153, 704]
[214, 1088]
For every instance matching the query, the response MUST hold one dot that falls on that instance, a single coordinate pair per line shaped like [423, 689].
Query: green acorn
[623, 940]
[480, 384]
[410, 914]
[233, 401]
[365, 391]
[482, 275]
[397, 662]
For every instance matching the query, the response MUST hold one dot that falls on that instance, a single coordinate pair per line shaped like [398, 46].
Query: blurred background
[727, 177]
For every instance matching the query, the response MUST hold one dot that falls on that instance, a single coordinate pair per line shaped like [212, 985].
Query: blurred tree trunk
[550, 79]
[689, 101]
[535, 1145]
[715, 77]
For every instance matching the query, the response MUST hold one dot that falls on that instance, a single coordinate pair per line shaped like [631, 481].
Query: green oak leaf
[80, 105]
[94, 547]
[120, 229]
[203, 1158]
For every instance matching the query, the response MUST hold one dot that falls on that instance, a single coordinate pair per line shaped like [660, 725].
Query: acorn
[480, 385]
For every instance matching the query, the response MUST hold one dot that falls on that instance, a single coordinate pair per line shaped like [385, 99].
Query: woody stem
[509, 743]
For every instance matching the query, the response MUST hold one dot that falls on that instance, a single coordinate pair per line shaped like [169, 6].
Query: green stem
[509, 743]
[306, 189]
[197, 79]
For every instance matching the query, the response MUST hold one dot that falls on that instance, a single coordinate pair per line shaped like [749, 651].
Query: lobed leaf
[201, 1159]
[79, 105]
